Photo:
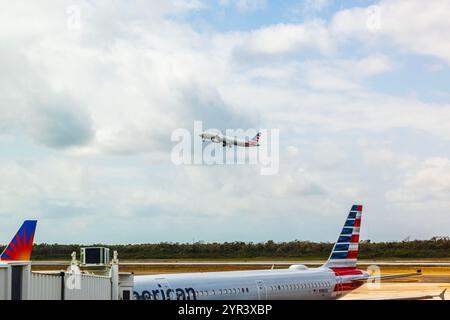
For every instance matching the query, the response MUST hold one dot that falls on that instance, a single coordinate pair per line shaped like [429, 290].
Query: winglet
[20, 247]
[442, 295]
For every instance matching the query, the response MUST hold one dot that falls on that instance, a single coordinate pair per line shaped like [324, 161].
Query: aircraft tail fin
[20, 247]
[256, 138]
[345, 250]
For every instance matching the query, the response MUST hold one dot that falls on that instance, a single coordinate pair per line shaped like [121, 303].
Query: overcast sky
[90, 92]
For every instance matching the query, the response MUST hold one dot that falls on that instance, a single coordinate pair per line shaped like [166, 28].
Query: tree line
[247, 250]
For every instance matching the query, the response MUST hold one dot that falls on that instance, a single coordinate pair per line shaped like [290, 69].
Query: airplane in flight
[231, 141]
[21, 245]
[336, 278]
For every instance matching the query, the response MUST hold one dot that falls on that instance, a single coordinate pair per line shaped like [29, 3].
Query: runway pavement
[397, 290]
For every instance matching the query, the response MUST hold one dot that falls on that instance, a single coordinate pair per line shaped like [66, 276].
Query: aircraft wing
[388, 276]
[402, 275]
[429, 296]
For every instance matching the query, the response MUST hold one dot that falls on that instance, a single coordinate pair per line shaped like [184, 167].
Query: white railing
[3, 283]
[87, 287]
[76, 287]
[45, 286]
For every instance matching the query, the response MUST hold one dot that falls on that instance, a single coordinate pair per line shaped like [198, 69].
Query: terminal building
[94, 277]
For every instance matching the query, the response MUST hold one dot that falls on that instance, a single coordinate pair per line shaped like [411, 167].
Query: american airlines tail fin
[256, 138]
[20, 247]
[345, 250]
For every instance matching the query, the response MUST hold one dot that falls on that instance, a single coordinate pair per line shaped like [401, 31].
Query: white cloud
[343, 74]
[425, 185]
[133, 82]
[311, 6]
[245, 5]
[287, 38]
[410, 25]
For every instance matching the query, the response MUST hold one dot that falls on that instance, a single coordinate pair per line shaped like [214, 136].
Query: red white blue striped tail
[256, 138]
[345, 250]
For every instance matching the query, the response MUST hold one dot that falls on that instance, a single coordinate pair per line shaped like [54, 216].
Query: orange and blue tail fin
[20, 247]
[345, 250]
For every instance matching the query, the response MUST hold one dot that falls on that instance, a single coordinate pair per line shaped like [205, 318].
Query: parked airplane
[231, 141]
[21, 245]
[337, 277]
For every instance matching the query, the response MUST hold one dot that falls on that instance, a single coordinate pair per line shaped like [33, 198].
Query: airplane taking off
[21, 245]
[231, 141]
[336, 278]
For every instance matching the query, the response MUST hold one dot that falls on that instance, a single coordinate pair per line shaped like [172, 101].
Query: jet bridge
[78, 282]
